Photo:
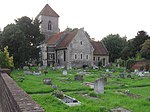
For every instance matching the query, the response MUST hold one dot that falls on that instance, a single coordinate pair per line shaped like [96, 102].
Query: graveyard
[85, 90]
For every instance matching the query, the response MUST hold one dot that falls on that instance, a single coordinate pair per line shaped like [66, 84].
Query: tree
[5, 59]
[138, 41]
[114, 44]
[23, 40]
[145, 51]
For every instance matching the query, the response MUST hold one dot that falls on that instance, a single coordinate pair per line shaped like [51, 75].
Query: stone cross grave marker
[99, 86]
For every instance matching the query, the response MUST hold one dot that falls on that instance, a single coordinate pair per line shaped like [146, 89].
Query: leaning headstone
[78, 77]
[65, 72]
[47, 81]
[99, 86]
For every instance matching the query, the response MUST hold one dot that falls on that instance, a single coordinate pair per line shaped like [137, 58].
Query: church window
[98, 58]
[94, 58]
[81, 56]
[87, 56]
[81, 42]
[75, 56]
[64, 55]
[49, 25]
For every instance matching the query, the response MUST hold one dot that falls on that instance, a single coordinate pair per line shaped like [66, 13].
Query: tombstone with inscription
[47, 81]
[99, 86]
[37, 73]
[65, 72]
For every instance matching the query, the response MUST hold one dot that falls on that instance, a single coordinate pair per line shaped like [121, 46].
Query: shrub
[130, 63]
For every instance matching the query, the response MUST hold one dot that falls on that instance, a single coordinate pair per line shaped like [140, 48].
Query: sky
[98, 17]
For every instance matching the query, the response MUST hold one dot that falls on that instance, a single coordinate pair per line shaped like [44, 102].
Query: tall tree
[114, 44]
[145, 51]
[23, 40]
[138, 41]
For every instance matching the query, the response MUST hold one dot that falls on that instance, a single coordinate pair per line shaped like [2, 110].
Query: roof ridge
[47, 11]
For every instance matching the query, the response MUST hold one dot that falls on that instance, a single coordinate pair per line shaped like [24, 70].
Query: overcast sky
[98, 17]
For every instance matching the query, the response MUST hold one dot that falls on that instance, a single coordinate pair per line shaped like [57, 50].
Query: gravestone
[25, 68]
[37, 73]
[140, 74]
[65, 72]
[99, 86]
[47, 81]
[54, 86]
[78, 77]
[108, 75]
[107, 70]
[28, 73]
[121, 76]
[129, 76]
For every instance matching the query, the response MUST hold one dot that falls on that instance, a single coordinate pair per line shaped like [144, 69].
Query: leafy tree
[114, 44]
[23, 40]
[145, 51]
[5, 59]
[138, 41]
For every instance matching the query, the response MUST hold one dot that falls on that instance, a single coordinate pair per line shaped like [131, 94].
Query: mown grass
[113, 97]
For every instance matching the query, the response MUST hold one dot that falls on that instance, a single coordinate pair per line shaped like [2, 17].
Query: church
[69, 48]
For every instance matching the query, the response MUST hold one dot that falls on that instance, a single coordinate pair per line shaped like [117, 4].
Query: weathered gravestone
[65, 72]
[99, 86]
[129, 76]
[47, 81]
[121, 75]
[28, 73]
[37, 73]
[78, 77]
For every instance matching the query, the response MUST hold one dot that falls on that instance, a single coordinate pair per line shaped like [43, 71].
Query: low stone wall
[13, 98]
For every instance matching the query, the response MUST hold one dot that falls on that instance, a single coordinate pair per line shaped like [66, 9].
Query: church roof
[55, 38]
[48, 11]
[67, 39]
[99, 48]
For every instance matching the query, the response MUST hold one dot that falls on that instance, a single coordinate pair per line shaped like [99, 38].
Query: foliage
[23, 40]
[5, 59]
[114, 44]
[138, 41]
[130, 63]
[145, 51]
[58, 94]
[121, 62]
[8, 58]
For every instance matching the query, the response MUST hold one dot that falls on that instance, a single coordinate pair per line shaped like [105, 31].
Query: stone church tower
[49, 19]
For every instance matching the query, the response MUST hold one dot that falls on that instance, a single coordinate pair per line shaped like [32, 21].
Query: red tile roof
[48, 11]
[67, 39]
[99, 48]
[55, 38]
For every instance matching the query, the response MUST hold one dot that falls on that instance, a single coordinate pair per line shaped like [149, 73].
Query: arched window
[49, 25]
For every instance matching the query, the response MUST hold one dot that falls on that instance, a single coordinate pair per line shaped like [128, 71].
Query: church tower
[49, 19]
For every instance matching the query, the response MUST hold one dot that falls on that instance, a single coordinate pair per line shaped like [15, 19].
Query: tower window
[81, 42]
[49, 25]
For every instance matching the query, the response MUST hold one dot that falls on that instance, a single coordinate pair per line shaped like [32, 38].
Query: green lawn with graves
[129, 93]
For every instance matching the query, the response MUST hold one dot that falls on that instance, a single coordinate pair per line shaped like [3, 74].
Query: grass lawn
[138, 99]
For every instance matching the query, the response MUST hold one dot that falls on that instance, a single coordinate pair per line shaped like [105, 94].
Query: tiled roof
[67, 39]
[55, 38]
[48, 11]
[99, 48]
